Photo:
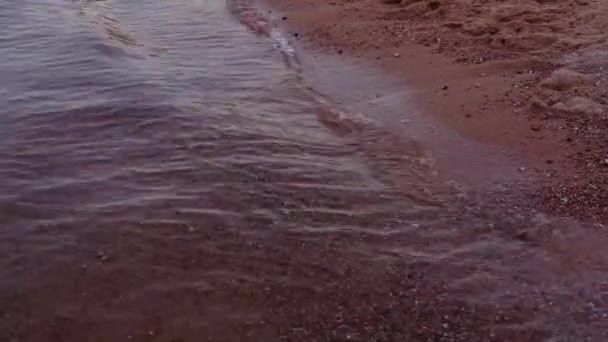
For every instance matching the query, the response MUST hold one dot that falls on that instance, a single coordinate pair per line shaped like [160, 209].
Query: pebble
[477, 85]
[397, 54]
[102, 256]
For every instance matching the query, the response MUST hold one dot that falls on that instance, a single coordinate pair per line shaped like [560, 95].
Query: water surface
[167, 176]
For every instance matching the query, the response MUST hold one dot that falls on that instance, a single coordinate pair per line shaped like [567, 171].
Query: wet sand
[526, 76]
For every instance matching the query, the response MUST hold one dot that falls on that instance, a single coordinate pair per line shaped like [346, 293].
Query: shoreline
[498, 100]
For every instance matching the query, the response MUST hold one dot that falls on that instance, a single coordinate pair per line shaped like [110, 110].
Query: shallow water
[169, 175]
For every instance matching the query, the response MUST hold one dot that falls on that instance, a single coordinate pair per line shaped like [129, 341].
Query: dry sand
[525, 74]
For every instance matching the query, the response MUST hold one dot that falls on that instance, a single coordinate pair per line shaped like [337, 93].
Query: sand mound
[579, 104]
[564, 79]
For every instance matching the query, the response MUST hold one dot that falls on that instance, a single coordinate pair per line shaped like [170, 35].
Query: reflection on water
[166, 177]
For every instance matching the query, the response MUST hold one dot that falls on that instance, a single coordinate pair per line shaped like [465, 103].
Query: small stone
[397, 54]
[445, 87]
[102, 256]
[468, 115]
[535, 128]
[477, 85]
[521, 169]
[284, 18]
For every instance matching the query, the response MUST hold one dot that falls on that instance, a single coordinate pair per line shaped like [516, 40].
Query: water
[170, 175]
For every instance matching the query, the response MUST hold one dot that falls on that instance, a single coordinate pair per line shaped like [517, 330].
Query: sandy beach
[523, 75]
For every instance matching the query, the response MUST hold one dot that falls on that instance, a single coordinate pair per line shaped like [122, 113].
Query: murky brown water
[166, 176]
